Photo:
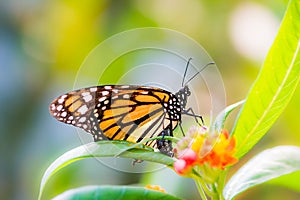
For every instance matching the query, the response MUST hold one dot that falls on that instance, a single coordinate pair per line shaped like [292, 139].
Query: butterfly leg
[181, 129]
[191, 112]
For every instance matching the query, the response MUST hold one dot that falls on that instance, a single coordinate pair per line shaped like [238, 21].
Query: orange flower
[222, 152]
[199, 148]
[155, 187]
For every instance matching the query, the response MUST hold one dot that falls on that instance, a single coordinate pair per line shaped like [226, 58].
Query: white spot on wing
[104, 93]
[82, 119]
[126, 96]
[93, 89]
[83, 109]
[64, 114]
[85, 93]
[102, 99]
[59, 107]
[88, 98]
[61, 100]
[107, 87]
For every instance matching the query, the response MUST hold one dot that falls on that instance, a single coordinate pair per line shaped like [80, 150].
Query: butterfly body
[123, 112]
[127, 112]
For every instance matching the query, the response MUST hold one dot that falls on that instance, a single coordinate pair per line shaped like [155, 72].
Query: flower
[222, 152]
[199, 148]
[155, 187]
[183, 165]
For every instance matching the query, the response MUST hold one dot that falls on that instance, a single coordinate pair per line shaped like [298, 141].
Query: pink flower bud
[189, 156]
[180, 166]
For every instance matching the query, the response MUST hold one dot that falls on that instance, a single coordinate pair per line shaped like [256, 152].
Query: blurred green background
[43, 44]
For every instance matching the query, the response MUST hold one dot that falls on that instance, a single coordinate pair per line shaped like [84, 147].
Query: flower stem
[220, 184]
[200, 189]
[199, 180]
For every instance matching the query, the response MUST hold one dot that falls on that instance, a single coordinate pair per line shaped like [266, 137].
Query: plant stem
[221, 182]
[200, 189]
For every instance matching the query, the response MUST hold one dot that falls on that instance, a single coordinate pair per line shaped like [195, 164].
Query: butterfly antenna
[211, 63]
[186, 68]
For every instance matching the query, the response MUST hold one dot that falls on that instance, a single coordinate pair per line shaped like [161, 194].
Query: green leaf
[274, 86]
[113, 192]
[265, 166]
[218, 124]
[290, 181]
[103, 149]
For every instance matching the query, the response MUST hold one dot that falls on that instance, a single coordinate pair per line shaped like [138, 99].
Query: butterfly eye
[186, 91]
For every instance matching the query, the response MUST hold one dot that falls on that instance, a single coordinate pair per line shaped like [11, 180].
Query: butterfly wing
[116, 112]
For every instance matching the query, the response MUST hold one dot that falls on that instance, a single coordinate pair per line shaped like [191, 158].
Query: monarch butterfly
[126, 112]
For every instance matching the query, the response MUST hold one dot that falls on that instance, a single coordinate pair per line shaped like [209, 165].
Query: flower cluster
[199, 148]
